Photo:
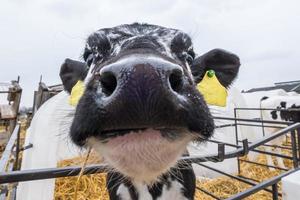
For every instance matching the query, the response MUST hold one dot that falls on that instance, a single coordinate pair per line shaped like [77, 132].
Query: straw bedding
[2, 147]
[92, 187]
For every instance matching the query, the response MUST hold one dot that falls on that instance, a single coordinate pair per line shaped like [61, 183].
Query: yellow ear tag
[212, 90]
[76, 93]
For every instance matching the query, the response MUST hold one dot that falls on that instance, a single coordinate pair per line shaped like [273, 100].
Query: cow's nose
[147, 73]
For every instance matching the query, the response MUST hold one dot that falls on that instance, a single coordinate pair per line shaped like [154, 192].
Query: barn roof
[289, 86]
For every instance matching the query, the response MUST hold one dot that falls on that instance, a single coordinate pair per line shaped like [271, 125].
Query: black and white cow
[141, 108]
[288, 110]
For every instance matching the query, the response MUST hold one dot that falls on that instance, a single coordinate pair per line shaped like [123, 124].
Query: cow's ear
[72, 71]
[225, 64]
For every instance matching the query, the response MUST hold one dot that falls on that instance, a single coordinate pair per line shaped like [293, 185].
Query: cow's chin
[142, 156]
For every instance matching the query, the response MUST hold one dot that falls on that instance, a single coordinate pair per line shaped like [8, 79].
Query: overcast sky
[37, 35]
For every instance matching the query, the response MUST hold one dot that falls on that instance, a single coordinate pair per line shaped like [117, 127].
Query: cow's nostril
[108, 82]
[175, 80]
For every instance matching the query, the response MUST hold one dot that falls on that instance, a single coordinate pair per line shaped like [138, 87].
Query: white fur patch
[173, 193]
[123, 192]
[143, 156]
[143, 191]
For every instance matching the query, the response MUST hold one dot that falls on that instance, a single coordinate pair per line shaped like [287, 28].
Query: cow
[287, 108]
[140, 107]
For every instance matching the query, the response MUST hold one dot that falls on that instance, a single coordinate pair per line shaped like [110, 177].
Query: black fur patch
[184, 175]
[71, 71]
[264, 98]
[283, 104]
[225, 64]
[291, 115]
[274, 114]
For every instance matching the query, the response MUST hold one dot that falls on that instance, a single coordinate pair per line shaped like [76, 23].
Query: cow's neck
[177, 185]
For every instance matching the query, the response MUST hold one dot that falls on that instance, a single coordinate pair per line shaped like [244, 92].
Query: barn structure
[288, 86]
[9, 110]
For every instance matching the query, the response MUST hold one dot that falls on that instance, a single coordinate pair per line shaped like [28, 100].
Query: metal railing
[241, 150]
[10, 159]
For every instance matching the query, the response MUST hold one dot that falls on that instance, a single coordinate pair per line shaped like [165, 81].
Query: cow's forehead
[119, 35]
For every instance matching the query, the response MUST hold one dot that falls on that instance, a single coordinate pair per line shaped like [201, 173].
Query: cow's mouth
[168, 133]
[143, 154]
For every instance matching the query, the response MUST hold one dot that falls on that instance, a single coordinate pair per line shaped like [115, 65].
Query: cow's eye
[189, 58]
[89, 59]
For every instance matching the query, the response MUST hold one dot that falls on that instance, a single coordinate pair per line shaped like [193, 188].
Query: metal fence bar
[208, 193]
[224, 125]
[245, 177]
[261, 186]
[244, 180]
[8, 149]
[298, 137]
[275, 191]
[257, 125]
[294, 148]
[240, 151]
[17, 150]
[275, 135]
[278, 109]
[264, 165]
[274, 146]
[3, 196]
[272, 154]
[254, 150]
[237, 139]
[38, 174]
[262, 123]
[254, 120]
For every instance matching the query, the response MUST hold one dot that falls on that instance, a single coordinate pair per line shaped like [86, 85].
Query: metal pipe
[8, 149]
[253, 120]
[274, 146]
[239, 151]
[298, 137]
[231, 176]
[208, 193]
[294, 149]
[261, 186]
[278, 109]
[275, 191]
[237, 140]
[257, 125]
[38, 174]
[225, 125]
[264, 165]
[28, 175]
[251, 179]
[254, 150]
[17, 149]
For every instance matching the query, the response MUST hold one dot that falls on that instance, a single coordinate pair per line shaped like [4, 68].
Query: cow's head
[141, 107]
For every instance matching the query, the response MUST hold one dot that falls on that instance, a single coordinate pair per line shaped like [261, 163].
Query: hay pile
[22, 137]
[22, 140]
[225, 187]
[2, 147]
[92, 187]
